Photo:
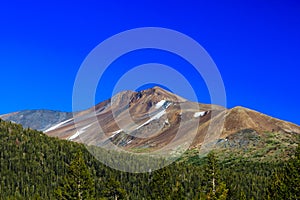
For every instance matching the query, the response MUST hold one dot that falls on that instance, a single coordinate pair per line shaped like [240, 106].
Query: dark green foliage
[113, 190]
[215, 189]
[77, 184]
[35, 166]
[286, 181]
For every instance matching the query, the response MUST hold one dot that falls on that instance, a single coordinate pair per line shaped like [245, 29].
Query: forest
[35, 166]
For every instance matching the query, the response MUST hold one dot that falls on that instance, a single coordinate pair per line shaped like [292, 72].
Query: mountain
[155, 119]
[256, 157]
[37, 119]
[35, 166]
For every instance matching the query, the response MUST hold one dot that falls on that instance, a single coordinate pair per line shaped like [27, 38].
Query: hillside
[156, 120]
[33, 166]
[159, 122]
[40, 120]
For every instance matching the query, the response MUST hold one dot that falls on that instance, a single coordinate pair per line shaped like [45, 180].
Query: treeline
[35, 166]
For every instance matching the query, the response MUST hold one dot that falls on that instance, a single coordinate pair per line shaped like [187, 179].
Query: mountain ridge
[150, 119]
[39, 119]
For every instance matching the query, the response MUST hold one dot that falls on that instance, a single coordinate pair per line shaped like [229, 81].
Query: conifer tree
[292, 179]
[285, 182]
[78, 183]
[113, 190]
[215, 189]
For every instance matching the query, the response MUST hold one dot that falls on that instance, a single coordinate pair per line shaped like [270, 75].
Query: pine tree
[292, 180]
[113, 190]
[78, 183]
[243, 196]
[215, 189]
[285, 182]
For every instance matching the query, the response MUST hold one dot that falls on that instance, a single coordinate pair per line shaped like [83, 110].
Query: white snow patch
[168, 105]
[57, 125]
[82, 130]
[129, 142]
[199, 114]
[157, 116]
[160, 104]
[115, 133]
[75, 135]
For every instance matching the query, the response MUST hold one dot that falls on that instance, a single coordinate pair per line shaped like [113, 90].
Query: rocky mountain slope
[37, 119]
[154, 119]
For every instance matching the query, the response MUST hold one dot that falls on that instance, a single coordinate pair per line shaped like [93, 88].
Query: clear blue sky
[255, 44]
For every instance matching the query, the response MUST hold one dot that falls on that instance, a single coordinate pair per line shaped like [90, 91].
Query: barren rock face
[151, 119]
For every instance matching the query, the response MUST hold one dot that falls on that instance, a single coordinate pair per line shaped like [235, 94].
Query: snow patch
[115, 133]
[129, 142]
[200, 114]
[157, 116]
[57, 125]
[167, 122]
[160, 104]
[75, 135]
[82, 130]
[168, 105]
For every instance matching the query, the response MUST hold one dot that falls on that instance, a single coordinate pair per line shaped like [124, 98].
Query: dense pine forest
[35, 166]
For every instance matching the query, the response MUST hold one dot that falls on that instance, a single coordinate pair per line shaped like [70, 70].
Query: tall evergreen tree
[215, 188]
[294, 179]
[286, 182]
[113, 190]
[78, 183]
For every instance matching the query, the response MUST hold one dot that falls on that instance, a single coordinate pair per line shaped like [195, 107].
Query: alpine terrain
[253, 156]
[154, 118]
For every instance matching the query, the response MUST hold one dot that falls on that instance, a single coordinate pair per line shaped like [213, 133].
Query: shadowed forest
[35, 166]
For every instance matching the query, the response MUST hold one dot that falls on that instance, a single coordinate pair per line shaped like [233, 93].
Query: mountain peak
[159, 89]
[149, 119]
[162, 94]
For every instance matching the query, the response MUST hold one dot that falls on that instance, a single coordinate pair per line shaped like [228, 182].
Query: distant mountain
[37, 119]
[150, 119]
[255, 152]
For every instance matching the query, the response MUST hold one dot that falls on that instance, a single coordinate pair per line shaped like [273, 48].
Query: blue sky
[255, 45]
